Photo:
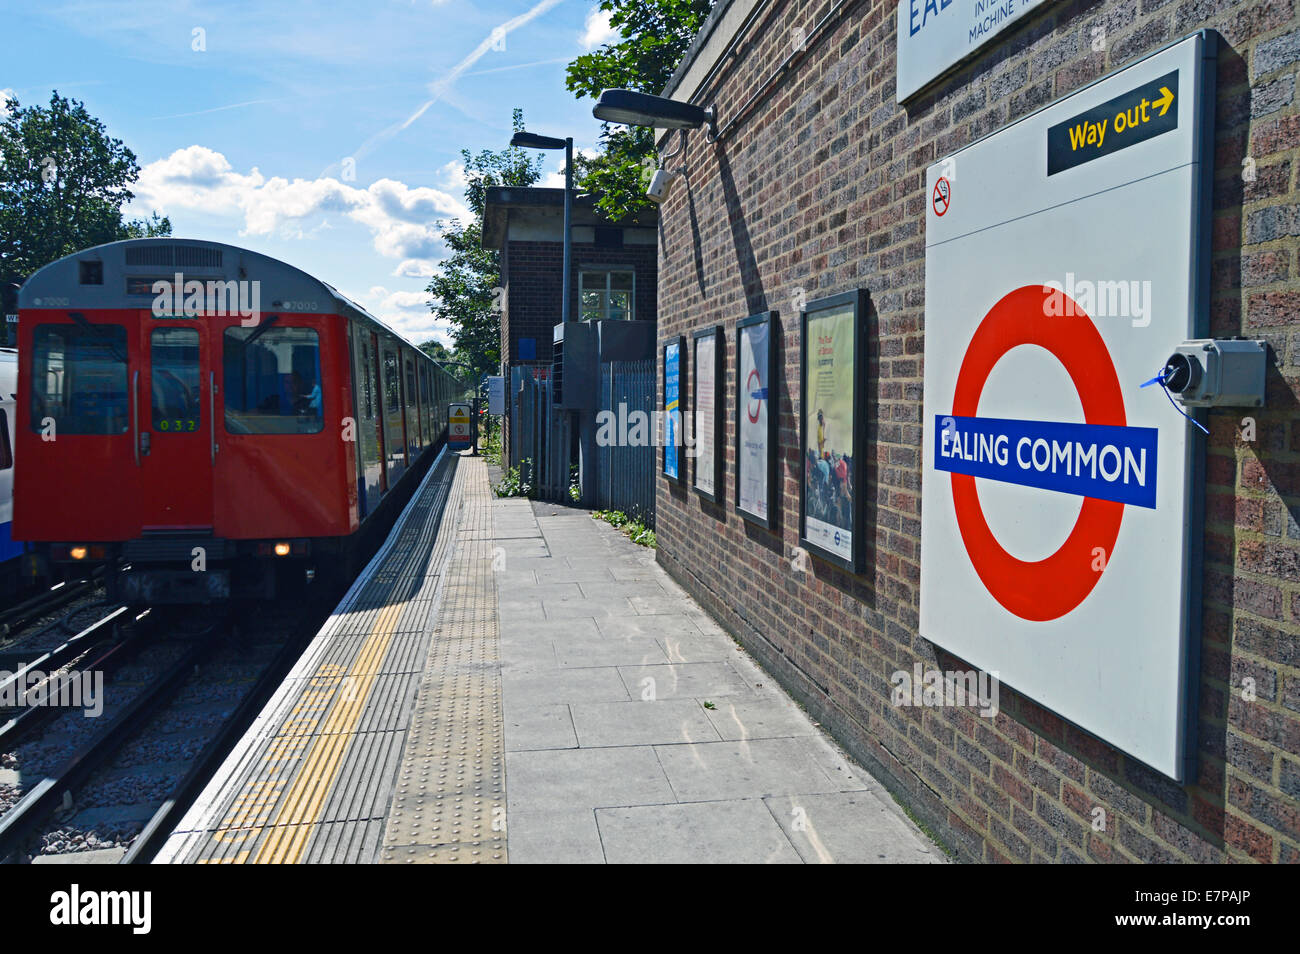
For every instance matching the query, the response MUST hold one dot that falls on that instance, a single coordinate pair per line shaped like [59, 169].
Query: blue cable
[1160, 380]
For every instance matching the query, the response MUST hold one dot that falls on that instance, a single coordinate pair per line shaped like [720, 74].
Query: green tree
[465, 285]
[654, 36]
[63, 182]
[437, 351]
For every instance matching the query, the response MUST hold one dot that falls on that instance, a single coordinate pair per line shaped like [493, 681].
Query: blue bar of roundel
[1061, 476]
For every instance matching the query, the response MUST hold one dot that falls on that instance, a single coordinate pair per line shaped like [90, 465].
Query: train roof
[196, 259]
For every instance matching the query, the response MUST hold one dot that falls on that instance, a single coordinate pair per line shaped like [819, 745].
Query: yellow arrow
[1165, 100]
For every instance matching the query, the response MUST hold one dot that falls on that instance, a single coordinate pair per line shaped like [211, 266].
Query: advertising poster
[673, 409]
[829, 451]
[705, 419]
[753, 431]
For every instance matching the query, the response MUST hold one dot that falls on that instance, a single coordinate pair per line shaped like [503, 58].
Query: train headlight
[77, 553]
[282, 549]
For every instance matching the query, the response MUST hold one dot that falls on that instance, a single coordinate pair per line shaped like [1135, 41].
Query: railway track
[61, 594]
[183, 701]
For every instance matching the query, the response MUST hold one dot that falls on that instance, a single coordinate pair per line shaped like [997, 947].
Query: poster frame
[858, 299]
[773, 419]
[719, 414]
[680, 449]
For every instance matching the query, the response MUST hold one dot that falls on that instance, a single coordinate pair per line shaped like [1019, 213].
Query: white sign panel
[496, 394]
[458, 424]
[752, 465]
[706, 410]
[934, 35]
[1063, 265]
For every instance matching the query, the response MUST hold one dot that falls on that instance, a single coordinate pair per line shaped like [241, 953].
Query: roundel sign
[1059, 499]
[757, 394]
[1050, 457]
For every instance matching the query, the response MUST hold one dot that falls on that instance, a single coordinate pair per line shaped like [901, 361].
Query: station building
[614, 267]
[1154, 716]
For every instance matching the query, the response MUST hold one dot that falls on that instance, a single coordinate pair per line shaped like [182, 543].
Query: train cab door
[175, 444]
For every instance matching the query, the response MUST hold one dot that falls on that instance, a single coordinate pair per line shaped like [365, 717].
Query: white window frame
[605, 290]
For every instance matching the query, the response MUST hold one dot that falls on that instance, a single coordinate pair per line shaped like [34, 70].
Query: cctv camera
[660, 183]
[1222, 372]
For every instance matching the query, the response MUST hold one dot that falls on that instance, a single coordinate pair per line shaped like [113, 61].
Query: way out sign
[1060, 519]
[458, 426]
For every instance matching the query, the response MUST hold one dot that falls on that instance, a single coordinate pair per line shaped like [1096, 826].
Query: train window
[177, 400]
[79, 379]
[392, 383]
[272, 380]
[367, 382]
[410, 382]
[6, 449]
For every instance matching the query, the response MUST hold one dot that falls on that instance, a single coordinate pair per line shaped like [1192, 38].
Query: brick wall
[822, 188]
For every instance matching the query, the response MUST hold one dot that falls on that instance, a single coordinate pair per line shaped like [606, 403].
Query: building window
[606, 294]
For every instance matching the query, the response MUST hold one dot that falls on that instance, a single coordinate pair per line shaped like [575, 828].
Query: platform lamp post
[527, 140]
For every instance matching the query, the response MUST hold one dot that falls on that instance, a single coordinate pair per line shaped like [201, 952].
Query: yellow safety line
[301, 808]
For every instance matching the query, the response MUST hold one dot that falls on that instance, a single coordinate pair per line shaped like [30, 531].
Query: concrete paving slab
[525, 593]
[540, 727]
[649, 605]
[573, 652]
[736, 719]
[552, 686]
[695, 648]
[584, 778]
[568, 609]
[712, 771]
[554, 838]
[667, 624]
[851, 828]
[641, 723]
[567, 574]
[730, 832]
[706, 681]
[611, 588]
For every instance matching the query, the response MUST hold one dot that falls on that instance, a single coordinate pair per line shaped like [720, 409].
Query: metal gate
[626, 472]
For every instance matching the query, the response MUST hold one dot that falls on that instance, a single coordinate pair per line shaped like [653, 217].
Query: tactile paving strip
[312, 779]
[450, 802]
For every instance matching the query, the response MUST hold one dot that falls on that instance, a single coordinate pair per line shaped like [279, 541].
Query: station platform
[515, 681]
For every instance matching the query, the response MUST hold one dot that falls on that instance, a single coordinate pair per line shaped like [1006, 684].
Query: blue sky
[243, 116]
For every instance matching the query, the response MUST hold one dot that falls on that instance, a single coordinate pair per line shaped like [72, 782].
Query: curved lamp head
[641, 109]
[527, 140]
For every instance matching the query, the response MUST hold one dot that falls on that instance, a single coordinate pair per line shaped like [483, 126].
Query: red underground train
[206, 420]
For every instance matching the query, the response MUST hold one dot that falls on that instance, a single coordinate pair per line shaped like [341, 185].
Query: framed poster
[706, 413]
[756, 419]
[674, 387]
[832, 428]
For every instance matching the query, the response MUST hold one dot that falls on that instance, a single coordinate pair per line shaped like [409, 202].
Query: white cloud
[413, 268]
[402, 219]
[407, 312]
[6, 96]
[596, 31]
[555, 178]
